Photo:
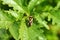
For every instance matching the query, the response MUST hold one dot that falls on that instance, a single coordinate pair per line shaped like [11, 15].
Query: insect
[30, 21]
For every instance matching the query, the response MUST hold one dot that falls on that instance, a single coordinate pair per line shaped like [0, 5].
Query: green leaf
[55, 15]
[3, 34]
[58, 5]
[13, 13]
[31, 5]
[20, 2]
[15, 4]
[5, 19]
[4, 16]
[22, 8]
[13, 29]
[6, 24]
[38, 18]
[35, 33]
[23, 31]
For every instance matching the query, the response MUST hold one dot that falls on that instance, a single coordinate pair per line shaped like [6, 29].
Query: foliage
[15, 18]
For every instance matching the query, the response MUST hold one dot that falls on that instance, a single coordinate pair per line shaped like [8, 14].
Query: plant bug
[30, 20]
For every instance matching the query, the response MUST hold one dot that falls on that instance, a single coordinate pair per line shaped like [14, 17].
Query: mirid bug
[30, 20]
